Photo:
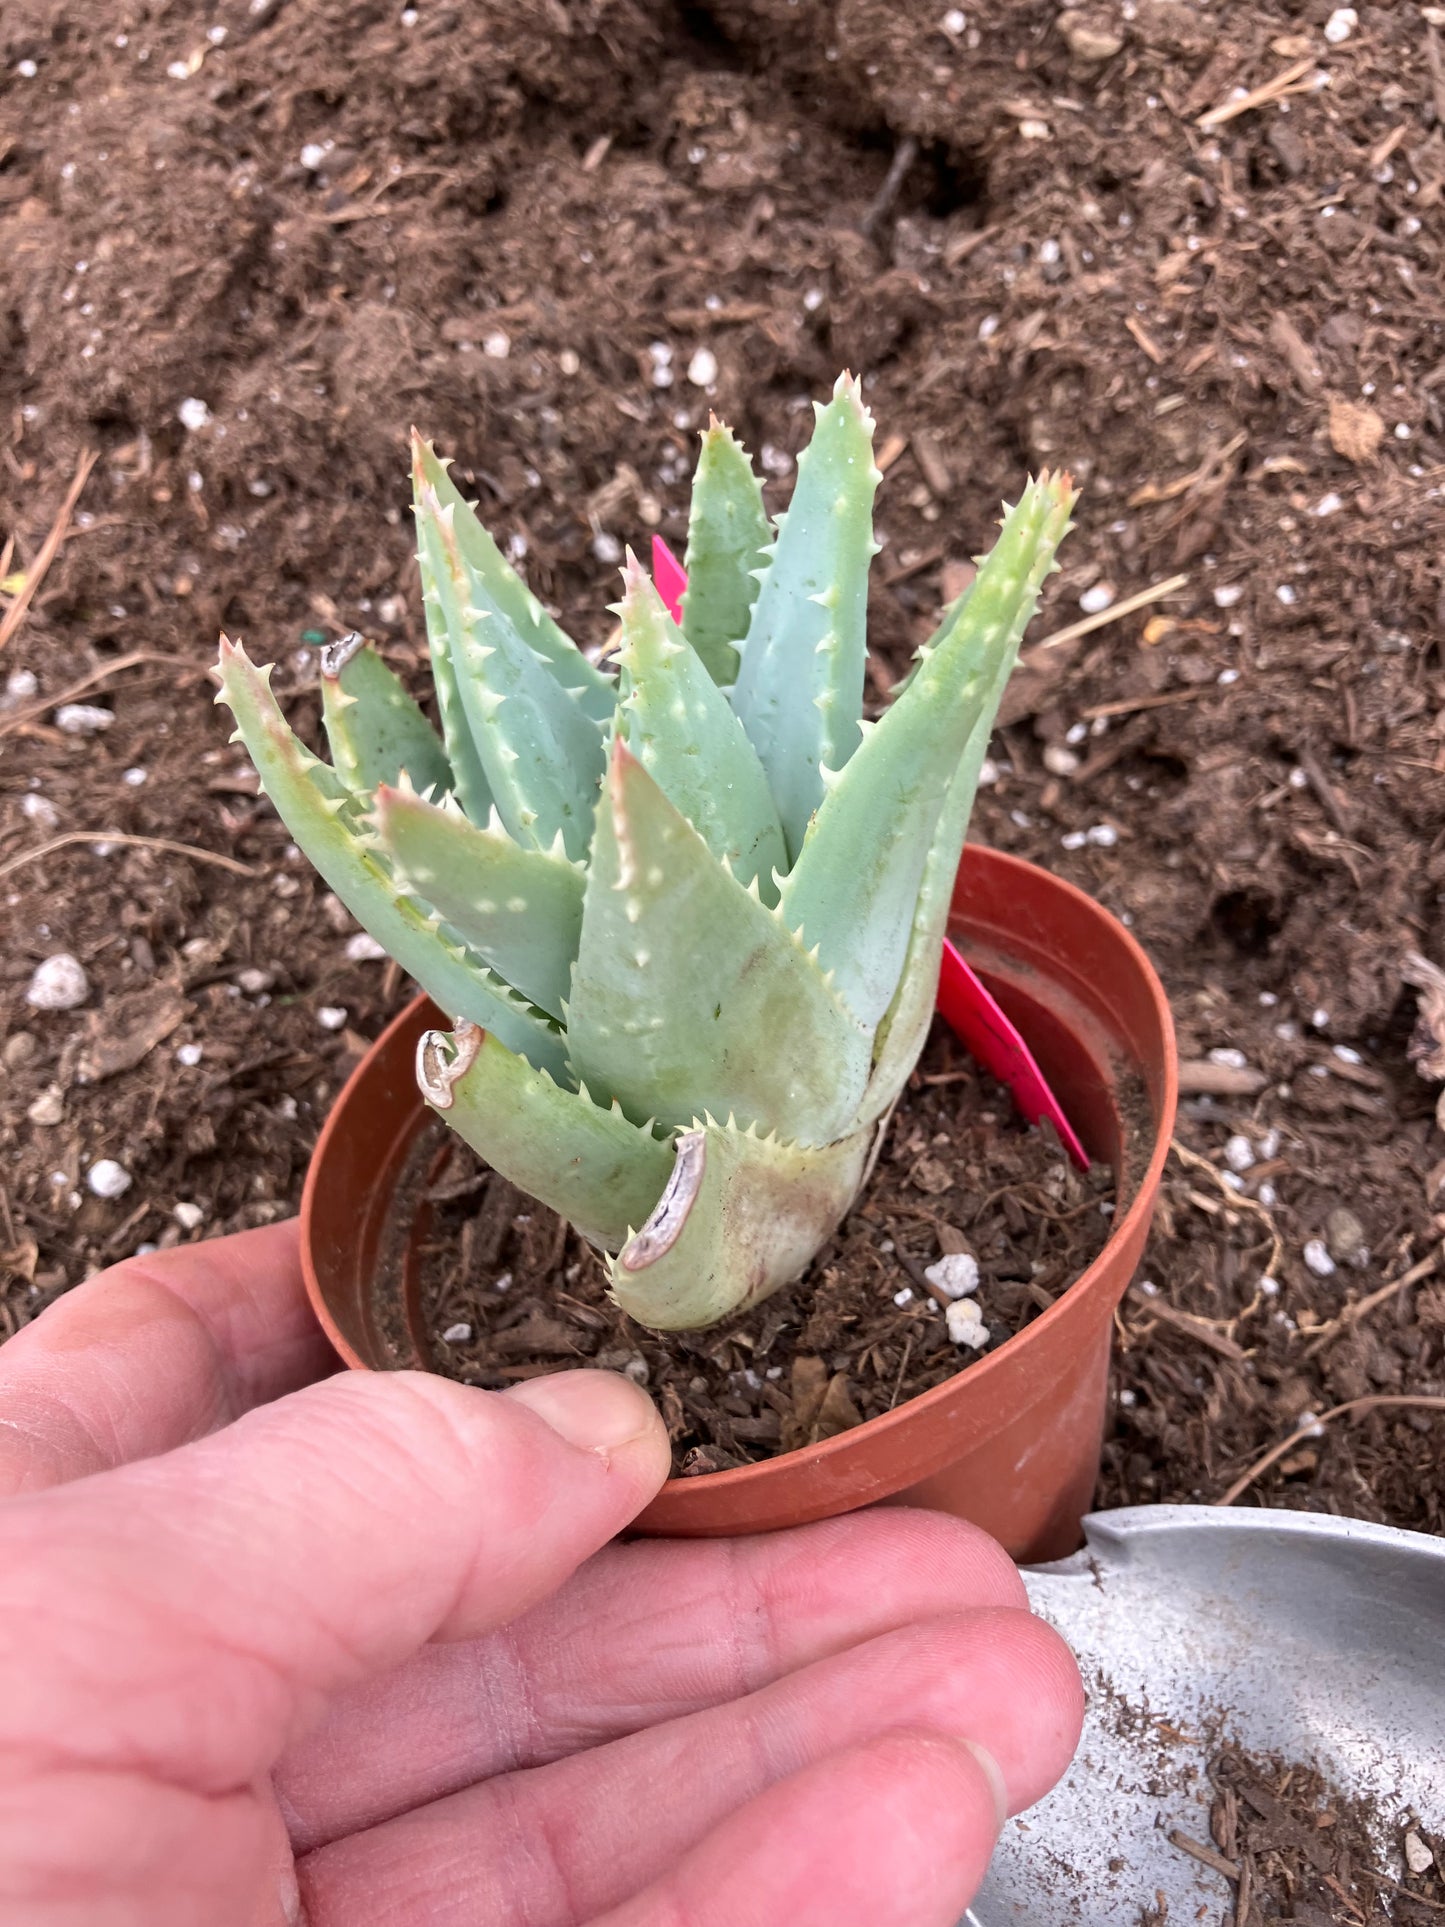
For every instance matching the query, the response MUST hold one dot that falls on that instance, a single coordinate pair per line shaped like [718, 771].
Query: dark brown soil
[1301, 1852]
[508, 1291]
[325, 220]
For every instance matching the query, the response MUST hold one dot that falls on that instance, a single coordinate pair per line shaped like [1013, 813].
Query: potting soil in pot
[509, 1291]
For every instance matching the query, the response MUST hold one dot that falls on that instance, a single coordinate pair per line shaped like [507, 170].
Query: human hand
[358, 1653]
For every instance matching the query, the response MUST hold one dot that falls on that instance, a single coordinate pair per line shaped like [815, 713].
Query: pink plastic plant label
[669, 576]
[978, 1023]
[966, 1006]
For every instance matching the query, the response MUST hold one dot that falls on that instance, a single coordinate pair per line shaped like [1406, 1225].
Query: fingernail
[598, 1411]
[993, 1773]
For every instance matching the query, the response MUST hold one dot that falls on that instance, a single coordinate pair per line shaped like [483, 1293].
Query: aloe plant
[686, 917]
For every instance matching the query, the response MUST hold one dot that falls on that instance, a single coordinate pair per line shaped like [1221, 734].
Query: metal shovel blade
[1290, 1634]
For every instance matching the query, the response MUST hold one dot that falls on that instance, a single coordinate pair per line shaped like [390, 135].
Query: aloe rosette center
[686, 915]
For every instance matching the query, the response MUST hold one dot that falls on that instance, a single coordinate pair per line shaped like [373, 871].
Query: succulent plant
[687, 917]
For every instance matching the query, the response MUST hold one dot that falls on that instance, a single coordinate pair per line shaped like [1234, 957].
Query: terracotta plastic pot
[1013, 1441]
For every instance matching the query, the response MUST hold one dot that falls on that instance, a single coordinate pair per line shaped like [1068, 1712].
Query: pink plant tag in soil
[963, 1002]
[669, 576]
[976, 1020]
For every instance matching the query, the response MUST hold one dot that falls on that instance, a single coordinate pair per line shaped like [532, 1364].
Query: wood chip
[1198, 1077]
[1356, 431]
[931, 465]
[130, 1028]
[1286, 82]
[1207, 1856]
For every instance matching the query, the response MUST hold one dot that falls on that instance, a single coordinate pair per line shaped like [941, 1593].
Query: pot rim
[1123, 1229]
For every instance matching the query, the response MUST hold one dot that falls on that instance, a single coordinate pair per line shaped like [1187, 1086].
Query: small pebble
[49, 1107]
[1418, 1857]
[107, 1179]
[702, 369]
[1229, 1057]
[193, 413]
[457, 1335]
[188, 1215]
[904, 1297]
[502, 1281]
[1095, 601]
[1286, 594]
[58, 984]
[1345, 1236]
[1103, 836]
[1269, 1287]
[1267, 1196]
[954, 22]
[83, 719]
[1227, 594]
[21, 685]
[636, 1370]
[1126, 1397]
[987, 773]
[331, 1016]
[1320, 1019]
[254, 981]
[133, 777]
[1239, 1154]
[496, 346]
[1346, 1055]
[1059, 761]
[606, 547]
[955, 1275]
[18, 1050]
[965, 1324]
[1317, 1257]
[189, 1054]
[1340, 25]
[363, 948]
[39, 810]
[313, 156]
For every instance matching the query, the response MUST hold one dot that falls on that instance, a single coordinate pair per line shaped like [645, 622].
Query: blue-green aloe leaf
[741, 1215]
[519, 909]
[374, 727]
[728, 533]
[601, 1173]
[542, 754]
[498, 588]
[689, 994]
[442, 607]
[682, 729]
[904, 1029]
[312, 802]
[854, 887]
[799, 688]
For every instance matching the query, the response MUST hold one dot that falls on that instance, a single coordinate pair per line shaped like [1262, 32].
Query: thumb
[198, 1607]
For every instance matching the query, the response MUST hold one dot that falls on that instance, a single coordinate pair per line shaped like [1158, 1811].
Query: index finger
[153, 1353]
